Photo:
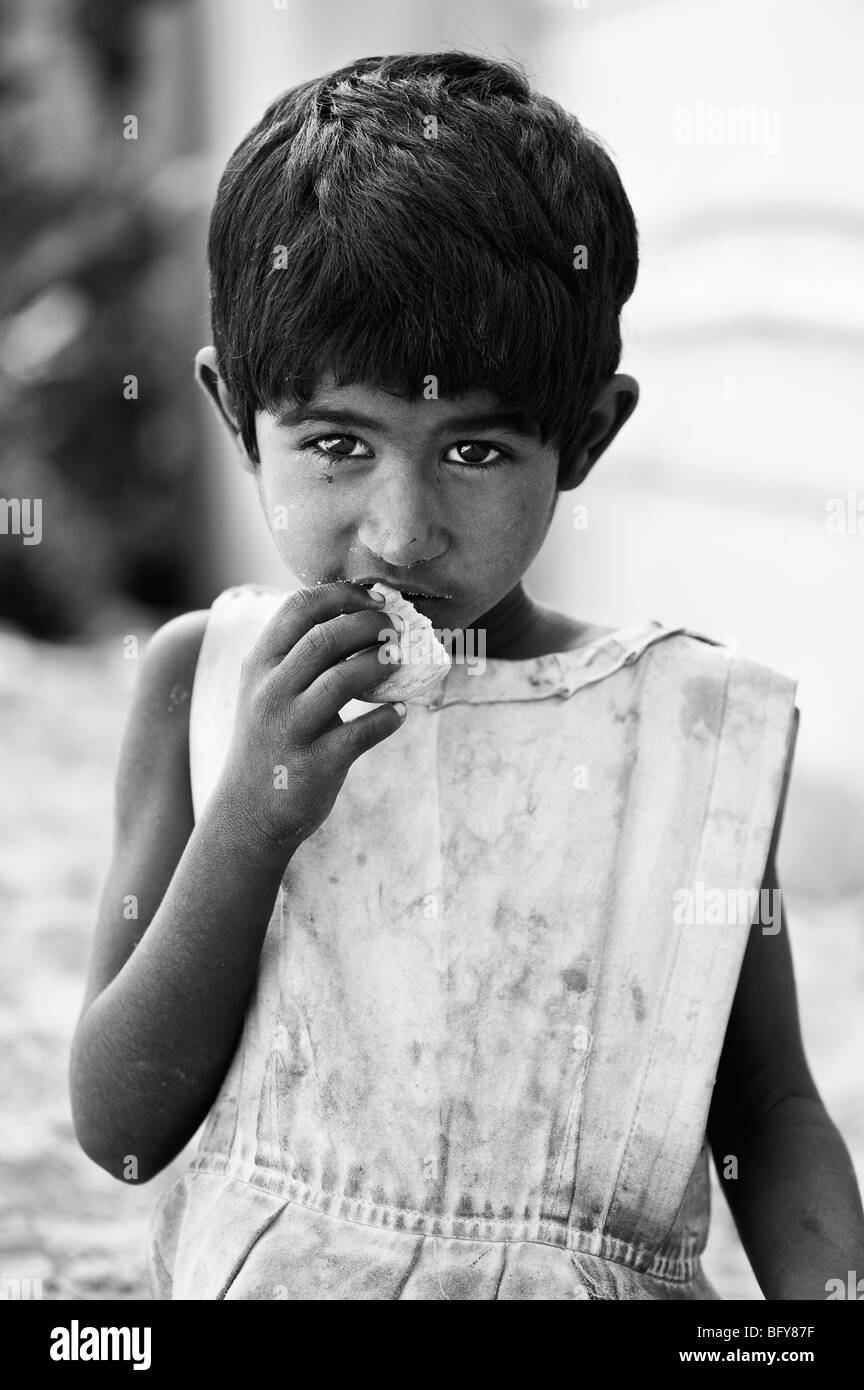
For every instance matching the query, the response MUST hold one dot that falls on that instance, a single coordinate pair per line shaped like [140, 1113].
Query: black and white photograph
[431, 666]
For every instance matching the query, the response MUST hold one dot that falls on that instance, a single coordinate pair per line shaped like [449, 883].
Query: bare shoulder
[157, 729]
[153, 815]
[172, 651]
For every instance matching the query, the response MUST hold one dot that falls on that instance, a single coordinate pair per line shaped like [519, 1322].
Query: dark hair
[406, 256]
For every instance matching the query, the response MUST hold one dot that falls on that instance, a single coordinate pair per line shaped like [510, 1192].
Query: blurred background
[733, 502]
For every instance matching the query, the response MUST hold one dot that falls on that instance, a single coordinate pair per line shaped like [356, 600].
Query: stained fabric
[478, 1059]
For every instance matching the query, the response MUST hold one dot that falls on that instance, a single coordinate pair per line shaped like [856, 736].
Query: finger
[331, 641]
[303, 609]
[345, 681]
[358, 735]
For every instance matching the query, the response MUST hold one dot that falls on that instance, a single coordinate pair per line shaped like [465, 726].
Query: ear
[613, 405]
[217, 393]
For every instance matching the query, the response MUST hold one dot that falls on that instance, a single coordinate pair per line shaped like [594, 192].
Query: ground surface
[64, 1221]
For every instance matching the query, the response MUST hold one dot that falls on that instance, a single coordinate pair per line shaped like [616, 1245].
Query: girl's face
[447, 495]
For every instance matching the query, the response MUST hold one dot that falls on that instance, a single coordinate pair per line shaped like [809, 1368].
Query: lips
[369, 580]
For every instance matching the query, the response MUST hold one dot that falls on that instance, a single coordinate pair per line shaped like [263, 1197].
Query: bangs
[436, 335]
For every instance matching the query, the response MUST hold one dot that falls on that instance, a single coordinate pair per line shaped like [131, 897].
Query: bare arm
[165, 997]
[795, 1200]
[166, 994]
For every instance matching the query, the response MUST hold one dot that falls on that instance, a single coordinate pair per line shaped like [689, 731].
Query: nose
[399, 524]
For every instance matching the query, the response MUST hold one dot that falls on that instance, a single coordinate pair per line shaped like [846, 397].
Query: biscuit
[423, 661]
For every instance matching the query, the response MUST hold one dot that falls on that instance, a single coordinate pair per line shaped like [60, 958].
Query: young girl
[442, 982]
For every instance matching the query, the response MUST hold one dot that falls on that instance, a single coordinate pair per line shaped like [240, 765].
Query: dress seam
[678, 1270]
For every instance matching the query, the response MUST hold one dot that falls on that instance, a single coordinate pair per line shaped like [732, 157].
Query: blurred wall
[736, 127]
[101, 299]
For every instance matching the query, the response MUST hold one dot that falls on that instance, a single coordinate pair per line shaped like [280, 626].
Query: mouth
[418, 599]
[411, 594]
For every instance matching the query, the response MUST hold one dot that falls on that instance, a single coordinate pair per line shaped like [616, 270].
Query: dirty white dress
[478, 1059]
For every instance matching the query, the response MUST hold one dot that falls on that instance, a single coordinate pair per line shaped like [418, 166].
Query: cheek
[529, 511]
[283, 506]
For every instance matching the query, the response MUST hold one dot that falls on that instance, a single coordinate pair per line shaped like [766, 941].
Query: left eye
[478, 445]
[483, 449]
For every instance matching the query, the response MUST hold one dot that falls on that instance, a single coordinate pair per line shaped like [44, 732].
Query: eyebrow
[507, 421]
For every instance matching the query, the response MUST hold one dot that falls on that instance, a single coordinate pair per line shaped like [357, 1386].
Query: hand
[293, 683]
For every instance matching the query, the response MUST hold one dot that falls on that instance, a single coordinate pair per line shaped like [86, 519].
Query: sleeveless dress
[478, 1058]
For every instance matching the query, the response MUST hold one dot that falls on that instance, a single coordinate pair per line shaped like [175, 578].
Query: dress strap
[236, 619]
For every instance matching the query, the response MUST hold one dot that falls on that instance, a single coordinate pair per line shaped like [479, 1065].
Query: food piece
[423, 661]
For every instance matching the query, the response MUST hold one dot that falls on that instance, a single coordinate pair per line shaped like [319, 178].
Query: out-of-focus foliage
[95, 289]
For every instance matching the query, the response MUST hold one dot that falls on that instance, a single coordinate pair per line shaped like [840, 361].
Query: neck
[509, 623]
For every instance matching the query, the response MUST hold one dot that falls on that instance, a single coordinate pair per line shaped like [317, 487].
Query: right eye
[313, 446]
